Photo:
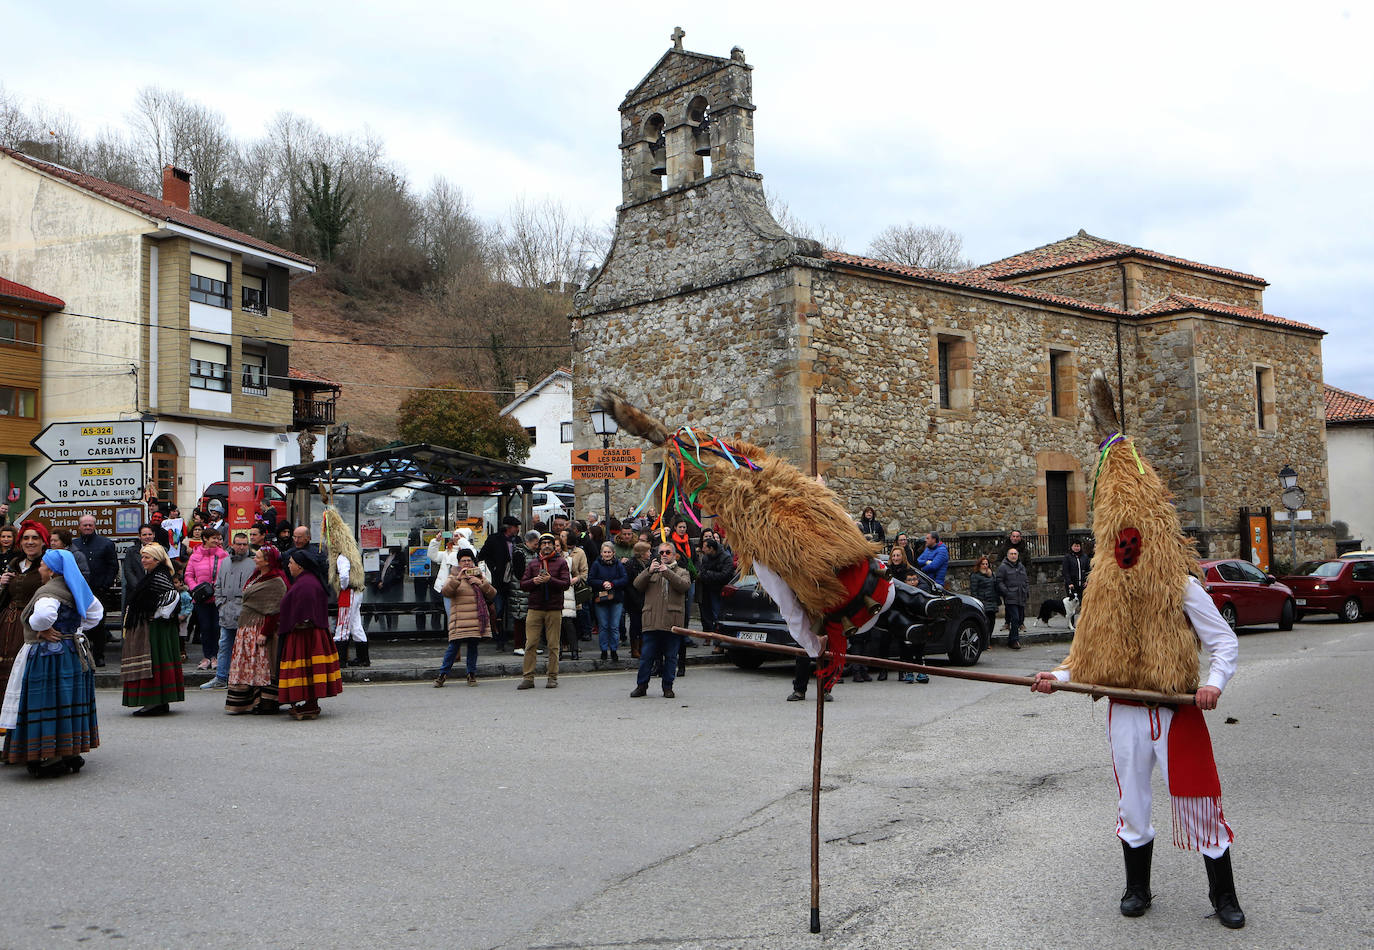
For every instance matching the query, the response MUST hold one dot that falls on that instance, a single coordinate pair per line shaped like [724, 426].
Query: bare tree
[795, 226]
[453, 236]
[928, 246]
[543, 246]
[16, 125]
[169, 129]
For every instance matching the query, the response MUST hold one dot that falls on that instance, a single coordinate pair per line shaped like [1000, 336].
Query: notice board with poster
[419, 562]
[1258, 534]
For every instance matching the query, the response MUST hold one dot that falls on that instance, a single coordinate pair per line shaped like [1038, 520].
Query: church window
[1266, 419]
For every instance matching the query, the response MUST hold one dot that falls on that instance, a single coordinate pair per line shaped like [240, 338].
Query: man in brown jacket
[546, 578]
[664, 585]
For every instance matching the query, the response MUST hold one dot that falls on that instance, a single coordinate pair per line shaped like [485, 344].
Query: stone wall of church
[1240, 462]
[1154, 283]
[1100, 284]
[722, 358]
[870, 356]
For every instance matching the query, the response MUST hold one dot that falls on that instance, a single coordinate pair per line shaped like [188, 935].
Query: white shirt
[45, 614]
[1216, 635]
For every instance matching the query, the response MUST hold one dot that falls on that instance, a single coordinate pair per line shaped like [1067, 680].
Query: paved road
[956, 815]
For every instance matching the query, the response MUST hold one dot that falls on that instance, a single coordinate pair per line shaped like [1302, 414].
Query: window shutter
[209, 267]
[278, 287]
[209, 352]
[278, 369]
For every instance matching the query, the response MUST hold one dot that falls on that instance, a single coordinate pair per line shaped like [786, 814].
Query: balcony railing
[254, 301]
[313, 413]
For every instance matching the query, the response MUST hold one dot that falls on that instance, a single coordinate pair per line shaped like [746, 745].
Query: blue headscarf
[62, 562]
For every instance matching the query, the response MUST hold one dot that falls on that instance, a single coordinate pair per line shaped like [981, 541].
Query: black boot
[1137, 896]
[342, 646]
[1221, 891]
[364, 655]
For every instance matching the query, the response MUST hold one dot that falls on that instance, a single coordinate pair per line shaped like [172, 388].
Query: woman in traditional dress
[253, 669]
[309, 661]
[18, 582]
[468, 594]
[151, 663]
[49, 708]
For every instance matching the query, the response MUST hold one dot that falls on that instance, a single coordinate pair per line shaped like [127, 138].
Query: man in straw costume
[1140, 627]
[346, 579]
[807, 551]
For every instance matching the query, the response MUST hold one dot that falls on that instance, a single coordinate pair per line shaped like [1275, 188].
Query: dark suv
[747, 612]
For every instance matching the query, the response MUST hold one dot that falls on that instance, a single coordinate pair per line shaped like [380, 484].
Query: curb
[108, 677]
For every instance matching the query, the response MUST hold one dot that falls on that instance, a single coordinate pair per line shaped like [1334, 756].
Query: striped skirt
[166, 684]
[57, 708]
[309, 666]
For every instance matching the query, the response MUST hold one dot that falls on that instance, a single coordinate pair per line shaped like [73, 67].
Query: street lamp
[148, 422]
[1293, 497]
[604, 425]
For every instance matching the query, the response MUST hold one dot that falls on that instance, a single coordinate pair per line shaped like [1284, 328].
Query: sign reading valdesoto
[87, 482]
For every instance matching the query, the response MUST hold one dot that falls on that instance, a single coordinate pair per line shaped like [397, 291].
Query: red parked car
[1246, 596]
[1342, 587]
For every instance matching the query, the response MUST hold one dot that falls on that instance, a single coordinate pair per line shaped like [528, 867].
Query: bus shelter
[397, 500]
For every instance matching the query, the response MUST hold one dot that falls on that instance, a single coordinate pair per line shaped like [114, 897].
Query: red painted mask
[1128, 548]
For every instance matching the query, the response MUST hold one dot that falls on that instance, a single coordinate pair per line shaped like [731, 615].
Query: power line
[286, 339]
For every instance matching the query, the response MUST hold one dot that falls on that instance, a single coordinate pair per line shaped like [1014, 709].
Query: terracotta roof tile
[1178, 303]
[1342, 406]
[153, 207]
[1084, 248]
[9, 290]
[306, 376]
[969, 280]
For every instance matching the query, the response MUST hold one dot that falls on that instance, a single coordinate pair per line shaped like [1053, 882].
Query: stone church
[948, 401]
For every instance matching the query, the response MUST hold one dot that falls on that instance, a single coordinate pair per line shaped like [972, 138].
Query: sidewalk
[411, 659]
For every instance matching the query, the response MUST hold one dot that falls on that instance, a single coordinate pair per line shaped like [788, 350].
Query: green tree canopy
[469, 422]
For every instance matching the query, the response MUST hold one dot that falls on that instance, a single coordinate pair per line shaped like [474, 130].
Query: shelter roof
[1343, 407]
[1084, 248]
[153, 207]
[28, 297]
[444, 471]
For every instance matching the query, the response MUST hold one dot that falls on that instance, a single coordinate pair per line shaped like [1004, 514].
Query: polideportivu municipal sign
[90, 481]
[91, 441]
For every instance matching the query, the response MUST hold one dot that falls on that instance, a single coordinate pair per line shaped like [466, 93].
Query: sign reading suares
[118, 440]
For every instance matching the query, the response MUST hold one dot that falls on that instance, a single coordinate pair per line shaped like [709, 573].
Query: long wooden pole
[816, 811]
[1090, 689]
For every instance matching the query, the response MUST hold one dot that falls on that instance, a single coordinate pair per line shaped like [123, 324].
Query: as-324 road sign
[90, 481]
[91, 441]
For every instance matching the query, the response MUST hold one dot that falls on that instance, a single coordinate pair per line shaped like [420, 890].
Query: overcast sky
[1237, 134]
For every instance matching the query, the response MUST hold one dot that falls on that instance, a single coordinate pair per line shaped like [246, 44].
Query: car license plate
[1302, 602]
[754, 636]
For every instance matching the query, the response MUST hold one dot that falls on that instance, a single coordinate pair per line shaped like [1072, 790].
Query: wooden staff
[1091, 689]
[816, 811]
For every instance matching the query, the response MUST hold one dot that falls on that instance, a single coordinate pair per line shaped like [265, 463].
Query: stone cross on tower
[677, 35]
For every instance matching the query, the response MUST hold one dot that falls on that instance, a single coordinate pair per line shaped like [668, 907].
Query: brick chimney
[176, 187]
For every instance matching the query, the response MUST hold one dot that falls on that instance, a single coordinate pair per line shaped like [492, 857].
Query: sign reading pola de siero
[95, 462]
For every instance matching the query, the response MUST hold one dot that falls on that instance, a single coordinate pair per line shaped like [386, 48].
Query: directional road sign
[91, 441]
[90, 482]
[607, 457]
[605, 471]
